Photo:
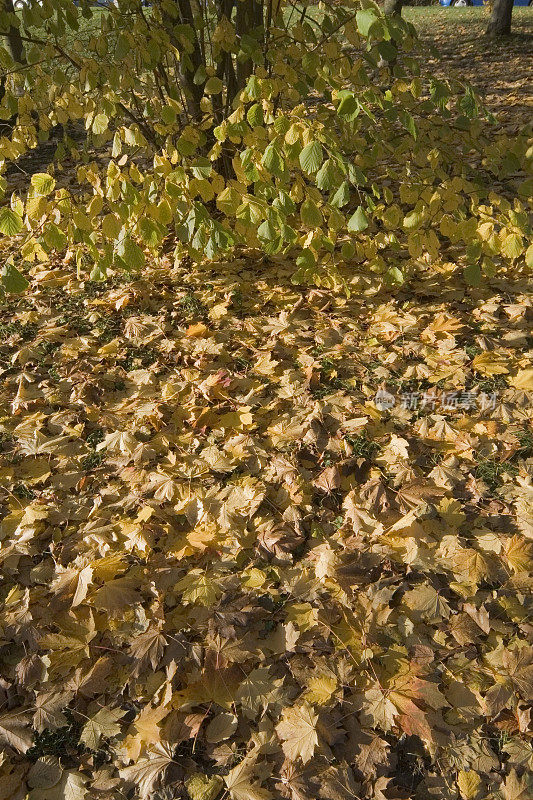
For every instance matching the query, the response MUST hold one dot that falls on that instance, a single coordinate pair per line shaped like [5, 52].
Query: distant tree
[500, 18]
[393, 7]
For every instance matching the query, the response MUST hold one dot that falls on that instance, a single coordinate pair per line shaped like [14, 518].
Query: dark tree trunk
[225, 68]
[12, 40]
[190, 62]
[500, 19]
[249, 18]
[393, 7]
[14, 46]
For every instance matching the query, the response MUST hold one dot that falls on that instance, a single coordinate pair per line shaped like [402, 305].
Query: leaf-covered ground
[499, 69]
[258, 542]
[229, 569]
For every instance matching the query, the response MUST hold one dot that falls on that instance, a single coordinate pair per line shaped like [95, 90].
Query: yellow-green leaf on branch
[358, 222]
[12, 280]
[311, 157]
[213, 86]
[10, 221]
[42, 183]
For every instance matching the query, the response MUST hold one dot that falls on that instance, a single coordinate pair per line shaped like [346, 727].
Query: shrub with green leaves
[304, 130]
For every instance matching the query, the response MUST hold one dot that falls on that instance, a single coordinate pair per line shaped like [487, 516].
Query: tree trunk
[393, 7]
[12, 41]
[249, 18]
[500, 19]
[14, 46]
[190, 62]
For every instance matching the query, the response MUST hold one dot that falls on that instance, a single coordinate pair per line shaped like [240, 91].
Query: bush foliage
[300, 130]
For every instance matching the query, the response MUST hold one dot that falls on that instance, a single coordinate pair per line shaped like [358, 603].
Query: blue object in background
[464, 3]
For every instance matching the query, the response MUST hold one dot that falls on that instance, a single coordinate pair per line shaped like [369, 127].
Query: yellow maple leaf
[523, 380]
[145, 731]
[491, 363]
[320, 689]
[297, 731]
